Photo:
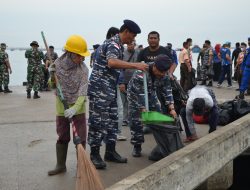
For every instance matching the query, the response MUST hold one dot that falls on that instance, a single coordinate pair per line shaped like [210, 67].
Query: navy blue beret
[96, 46]
[132, 26]
[163, 62]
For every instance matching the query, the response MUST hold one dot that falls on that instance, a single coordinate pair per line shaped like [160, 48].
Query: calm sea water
[19, 66]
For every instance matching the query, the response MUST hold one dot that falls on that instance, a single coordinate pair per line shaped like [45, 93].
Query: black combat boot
[36, 95]
[112, 156]
[96, 158]
[136, 151]
[61, 155]
[1, 89]
[7, 90]
[28, 94]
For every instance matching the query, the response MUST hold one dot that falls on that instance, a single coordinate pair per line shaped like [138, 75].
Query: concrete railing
[192, 165]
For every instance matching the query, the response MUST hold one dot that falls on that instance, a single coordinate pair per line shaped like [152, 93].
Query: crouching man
[201, 107]
[136, 98]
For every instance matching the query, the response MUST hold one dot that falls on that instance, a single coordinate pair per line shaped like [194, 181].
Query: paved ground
[27, 145]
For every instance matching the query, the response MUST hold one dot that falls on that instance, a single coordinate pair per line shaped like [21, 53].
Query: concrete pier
[28, 137]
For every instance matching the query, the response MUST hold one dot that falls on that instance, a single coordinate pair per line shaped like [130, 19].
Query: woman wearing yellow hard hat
[72, 75]
[76, 44]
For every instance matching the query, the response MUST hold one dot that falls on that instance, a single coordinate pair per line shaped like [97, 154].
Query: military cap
[34, 43]
[96, 46]
[163, 62]
[132, 26]
[51, 47]
[248, 38]
[3, 45]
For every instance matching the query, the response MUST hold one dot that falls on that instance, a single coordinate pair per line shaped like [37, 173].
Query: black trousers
[185, 81]
[217, 71]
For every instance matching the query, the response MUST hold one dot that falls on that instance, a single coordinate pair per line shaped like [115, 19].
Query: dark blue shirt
[225, 51]
[216, 58]
[149, 56]
[173, 52]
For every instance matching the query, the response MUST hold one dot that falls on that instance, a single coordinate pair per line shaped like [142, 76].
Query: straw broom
[87, 177]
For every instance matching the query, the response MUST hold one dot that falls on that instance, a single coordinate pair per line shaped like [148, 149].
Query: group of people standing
[218, 63]
[117, 81]
[37, 73]
[37, 69]
[118, 78]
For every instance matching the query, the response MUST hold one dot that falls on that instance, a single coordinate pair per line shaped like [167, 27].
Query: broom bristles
[87, 177]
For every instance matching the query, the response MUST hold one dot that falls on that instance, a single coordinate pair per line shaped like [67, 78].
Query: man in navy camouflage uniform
[34, 69]
[149, 54]
[5, 69]
[103, 116]
[136, 97]
[207, 64]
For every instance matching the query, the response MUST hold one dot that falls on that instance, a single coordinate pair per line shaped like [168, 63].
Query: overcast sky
[175, 20]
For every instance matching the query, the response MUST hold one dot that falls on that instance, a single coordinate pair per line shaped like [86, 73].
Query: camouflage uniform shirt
[34, 57]
[3, 57]
[136, 89]
[103, 79]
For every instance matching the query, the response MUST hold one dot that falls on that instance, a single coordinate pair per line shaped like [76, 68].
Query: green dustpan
[152, 117]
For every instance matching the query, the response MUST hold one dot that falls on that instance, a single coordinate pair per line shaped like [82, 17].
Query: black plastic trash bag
[198, 69]
[231, 110]
[179, 95]
[241, 108]
[193, 79]
[168, 141]
[224, 117]
[228, 105]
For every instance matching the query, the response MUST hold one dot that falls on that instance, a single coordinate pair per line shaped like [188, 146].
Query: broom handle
[76, 138]
[145, 90]
[47, 48]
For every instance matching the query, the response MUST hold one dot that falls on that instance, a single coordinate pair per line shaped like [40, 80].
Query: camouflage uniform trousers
[34, 75]
[204, 72]
[103, 121]
[43, 73]
[135, 123]
[4, 75]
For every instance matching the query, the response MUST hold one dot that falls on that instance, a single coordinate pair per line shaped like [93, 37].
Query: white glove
[69, 113]
[51, 69]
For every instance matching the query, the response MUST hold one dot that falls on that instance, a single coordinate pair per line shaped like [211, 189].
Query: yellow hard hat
[77, 44]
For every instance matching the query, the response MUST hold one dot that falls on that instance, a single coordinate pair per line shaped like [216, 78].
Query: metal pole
[145, 90]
